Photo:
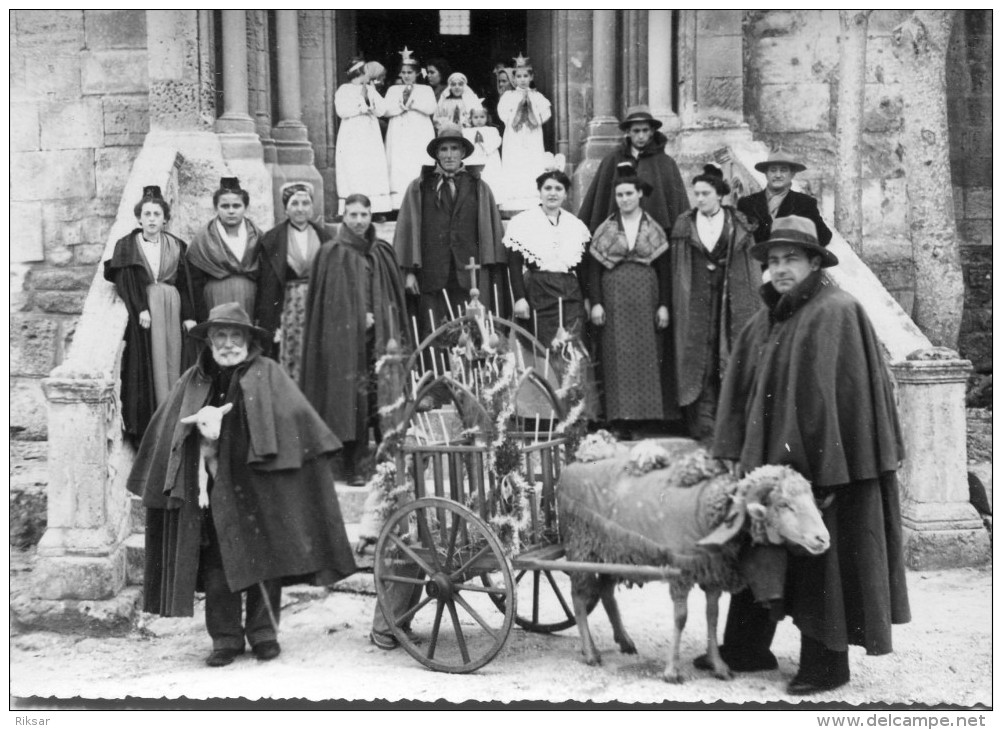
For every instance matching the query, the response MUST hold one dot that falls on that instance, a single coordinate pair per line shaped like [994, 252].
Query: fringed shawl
[609, 246]
[211, 254]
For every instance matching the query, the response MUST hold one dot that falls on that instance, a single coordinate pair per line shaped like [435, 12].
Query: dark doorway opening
[494, 36]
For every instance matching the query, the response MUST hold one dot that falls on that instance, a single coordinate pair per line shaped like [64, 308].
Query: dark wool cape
[273, 252]
[756, 208]
[690, 291]
[407, 236]
[211, 258]
[664, 205]
[273, 502]
[126, 269]
[807, 386]
[335, 367]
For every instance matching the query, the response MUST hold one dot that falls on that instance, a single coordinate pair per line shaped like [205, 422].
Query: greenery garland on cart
[491, 369]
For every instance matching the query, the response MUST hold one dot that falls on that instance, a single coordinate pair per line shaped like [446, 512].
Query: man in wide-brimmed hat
[448, 216]
[272, 516]
[779, 200]
[806, 386]
[644, 148]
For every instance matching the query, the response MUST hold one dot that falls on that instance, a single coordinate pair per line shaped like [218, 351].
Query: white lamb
[209, 420]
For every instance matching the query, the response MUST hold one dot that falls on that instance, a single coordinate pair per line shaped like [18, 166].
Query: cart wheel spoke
[460, 638]
[456, 522]
[535, 597]
[476, 616]
[404, 579]
[462, 569]
[406, 617]
[435, 629]
[427, 539]
[411, 554]
[493, 590]
[560, 595]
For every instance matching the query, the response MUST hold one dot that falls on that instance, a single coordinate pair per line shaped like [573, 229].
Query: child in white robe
[455, 103]
[523, 111]
[410, 107]
[486, 149]
[359, 154]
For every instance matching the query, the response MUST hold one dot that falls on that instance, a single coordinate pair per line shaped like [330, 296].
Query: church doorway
[470, 41]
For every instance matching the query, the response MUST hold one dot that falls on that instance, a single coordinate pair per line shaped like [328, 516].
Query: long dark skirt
[548, 292]
[632, 348]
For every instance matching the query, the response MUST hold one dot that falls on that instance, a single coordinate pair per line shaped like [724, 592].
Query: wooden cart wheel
[429, 565]
[544, 599]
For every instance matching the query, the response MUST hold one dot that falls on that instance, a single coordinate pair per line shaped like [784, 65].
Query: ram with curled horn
[693, 518]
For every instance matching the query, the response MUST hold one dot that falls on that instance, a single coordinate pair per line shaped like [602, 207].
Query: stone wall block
[63, 279]
[50, 29]
[24, 127]
[975, 232]
[978, 203]
[27, 409]
[80, 578]
[33, 344]
[792, 60]
[126, 120]
[112, 166]
[51, 76]
[115, 29]
[720, 92]
[115, 72]
[715, 57]
[26, 232]
[55, 174]
[88, 253]
[72, 125]
[885, 206]
[719, 22]
[882, 66]
[794, 107]
[60, 302]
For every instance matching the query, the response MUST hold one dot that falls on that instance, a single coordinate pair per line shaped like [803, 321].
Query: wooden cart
[446, 579]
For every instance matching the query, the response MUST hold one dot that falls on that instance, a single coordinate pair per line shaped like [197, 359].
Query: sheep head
[782, 509]
[209, 420]
[779, 504]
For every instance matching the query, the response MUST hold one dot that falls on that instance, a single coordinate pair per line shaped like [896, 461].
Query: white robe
[488, 154]
[522, 153]
[359, 154]
[407, 136]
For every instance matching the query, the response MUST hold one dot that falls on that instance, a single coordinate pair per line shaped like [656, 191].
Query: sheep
[686, 518]
[209, 420]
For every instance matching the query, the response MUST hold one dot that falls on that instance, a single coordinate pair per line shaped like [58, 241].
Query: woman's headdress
[522, 61]
[291, 188]
[407, 58]
[152, 192]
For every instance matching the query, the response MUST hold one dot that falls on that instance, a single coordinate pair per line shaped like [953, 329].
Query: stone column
[295, 154]
[660, 60]
[181, 94]
[603, 127]
[941, 528]
[81, 555]
[241, 145]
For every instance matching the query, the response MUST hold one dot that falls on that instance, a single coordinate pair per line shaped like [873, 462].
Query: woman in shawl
[150, 272]
[546, 246]
[285, 254]
[628, 280]
[354, 307]
[223, 254]
[410, 107]
[523, 111]
[715, 284]
[359, 153]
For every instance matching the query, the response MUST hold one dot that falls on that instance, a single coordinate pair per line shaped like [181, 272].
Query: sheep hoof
[593, 660]
[627, 647]
[673, 676]
[724, 674]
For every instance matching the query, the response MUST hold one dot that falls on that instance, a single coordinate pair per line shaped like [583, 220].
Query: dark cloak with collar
[407, 236]
[273, 502]
[690, 291]
[128, 271]
[211, 258]
[349, 275]
[664, 205]
[273, 252]
[807, 386]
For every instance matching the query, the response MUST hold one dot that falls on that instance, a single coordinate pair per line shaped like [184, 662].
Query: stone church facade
[104, 101]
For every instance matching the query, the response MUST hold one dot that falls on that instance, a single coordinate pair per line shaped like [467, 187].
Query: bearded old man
[273, 516]
[807, 387]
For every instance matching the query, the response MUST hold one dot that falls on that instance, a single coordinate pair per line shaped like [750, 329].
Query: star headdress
[407, 57]
[521, 61]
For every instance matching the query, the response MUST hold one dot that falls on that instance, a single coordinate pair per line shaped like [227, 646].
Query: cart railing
[460, 471]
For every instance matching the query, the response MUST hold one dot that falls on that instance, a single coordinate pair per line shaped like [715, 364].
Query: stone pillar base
[113, 617]
[604, 136]
[79, 577]
[943, 535]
